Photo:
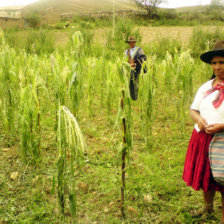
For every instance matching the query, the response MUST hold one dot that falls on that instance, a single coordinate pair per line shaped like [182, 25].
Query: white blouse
[204, 105]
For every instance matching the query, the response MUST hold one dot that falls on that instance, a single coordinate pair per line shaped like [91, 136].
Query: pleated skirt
[197, 171]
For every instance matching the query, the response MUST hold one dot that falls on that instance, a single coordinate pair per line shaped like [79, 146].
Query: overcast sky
[169, 4]
[15, 2]
[181, 3]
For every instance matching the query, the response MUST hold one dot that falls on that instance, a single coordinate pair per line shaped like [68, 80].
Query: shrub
[123, 29]
[168, 14]
[40, 42]
[87, 39]
[33, 19]
[86, 25]
[162, 45]
[202, 40]
[60, 25]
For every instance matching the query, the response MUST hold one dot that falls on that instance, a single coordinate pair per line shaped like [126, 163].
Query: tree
[218, 4]
[150, 6]
[33, 19]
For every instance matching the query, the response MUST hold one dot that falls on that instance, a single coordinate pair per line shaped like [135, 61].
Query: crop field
[149, 34]
[68, 126]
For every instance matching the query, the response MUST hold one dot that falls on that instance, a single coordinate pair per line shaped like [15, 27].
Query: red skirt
[197, 172]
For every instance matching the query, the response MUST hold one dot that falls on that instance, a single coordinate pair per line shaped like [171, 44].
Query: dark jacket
[139, 57]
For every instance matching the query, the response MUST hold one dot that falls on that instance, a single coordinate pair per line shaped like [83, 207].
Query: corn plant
[184, 84]
[70, 146]
[125, 115]
[8, 93]
[169, 74]
[29, 118]
[78, 43]
[146, 102]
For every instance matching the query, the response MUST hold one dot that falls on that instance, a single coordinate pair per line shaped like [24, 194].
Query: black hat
[218, 50]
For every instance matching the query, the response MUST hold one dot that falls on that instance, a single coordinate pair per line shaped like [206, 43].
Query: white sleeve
[126, 53]
[197, 99]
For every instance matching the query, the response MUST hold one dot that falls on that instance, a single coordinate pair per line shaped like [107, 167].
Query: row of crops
[42, 99]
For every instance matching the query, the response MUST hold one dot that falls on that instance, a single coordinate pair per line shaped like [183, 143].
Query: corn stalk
[126, 117]
[70, 146]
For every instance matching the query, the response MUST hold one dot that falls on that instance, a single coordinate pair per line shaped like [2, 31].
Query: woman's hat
[131, 39]
[218, 50]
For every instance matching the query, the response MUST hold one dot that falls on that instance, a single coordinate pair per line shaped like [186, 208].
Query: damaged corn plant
[124, 118]
[70, 148]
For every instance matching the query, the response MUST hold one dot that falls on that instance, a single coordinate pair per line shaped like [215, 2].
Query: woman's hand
[202, 123]
[213, 128]
[195, 115]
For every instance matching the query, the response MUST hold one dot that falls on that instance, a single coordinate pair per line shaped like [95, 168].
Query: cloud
[178, 3]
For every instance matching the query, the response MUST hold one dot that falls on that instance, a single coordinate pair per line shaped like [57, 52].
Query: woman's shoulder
[207, 85]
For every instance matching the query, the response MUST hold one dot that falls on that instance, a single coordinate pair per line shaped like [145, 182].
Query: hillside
[52, 9]
[79, 6]
[190, 9]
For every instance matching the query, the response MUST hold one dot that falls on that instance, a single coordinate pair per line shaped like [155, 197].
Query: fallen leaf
[106, 210]
[14, 175]
[84, 187]
[56, 211]
[133, 211]
[147, 199]
[5, 149]
[111, 204]
[48, 189]
[154, 133]
[35, 179]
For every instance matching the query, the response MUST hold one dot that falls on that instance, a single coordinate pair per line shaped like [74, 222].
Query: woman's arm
[202, 123]
[213, 128]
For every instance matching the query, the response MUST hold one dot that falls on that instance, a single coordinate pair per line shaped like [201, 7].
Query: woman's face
[217, 64]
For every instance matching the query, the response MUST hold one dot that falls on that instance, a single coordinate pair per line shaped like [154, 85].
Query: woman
[207, 111]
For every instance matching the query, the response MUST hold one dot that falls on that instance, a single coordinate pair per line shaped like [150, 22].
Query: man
[135, 57]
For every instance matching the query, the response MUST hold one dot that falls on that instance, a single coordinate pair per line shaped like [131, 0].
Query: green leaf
[72, 204]
[53, 186]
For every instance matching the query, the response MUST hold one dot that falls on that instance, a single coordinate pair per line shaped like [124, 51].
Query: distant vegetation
[33, 19]
[150, 6]
[91, 13]
[43, 41]
[204, 15]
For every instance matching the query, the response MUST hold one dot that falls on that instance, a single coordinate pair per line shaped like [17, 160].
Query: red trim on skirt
[197, 172]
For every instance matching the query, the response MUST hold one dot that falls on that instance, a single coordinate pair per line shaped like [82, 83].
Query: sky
[169, 4]
[15, 2]
[182, 3]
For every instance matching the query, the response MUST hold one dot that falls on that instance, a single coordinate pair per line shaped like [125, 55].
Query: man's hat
[131, 39]
[218, 50]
